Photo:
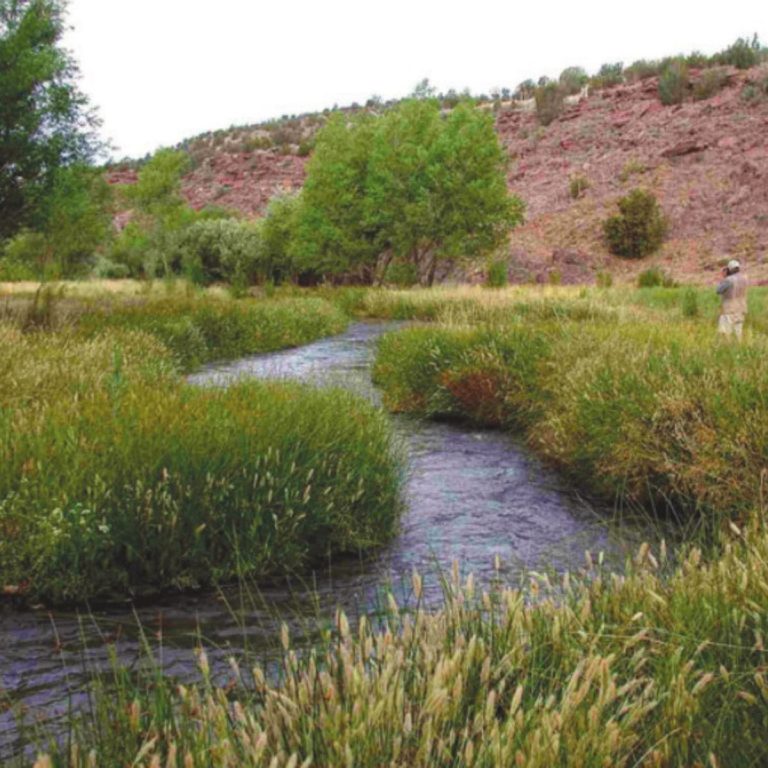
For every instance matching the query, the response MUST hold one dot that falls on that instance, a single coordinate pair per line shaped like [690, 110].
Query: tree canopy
[415, 184]
[45, 121]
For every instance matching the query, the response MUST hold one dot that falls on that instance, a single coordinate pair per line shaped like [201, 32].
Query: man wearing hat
[733, 294]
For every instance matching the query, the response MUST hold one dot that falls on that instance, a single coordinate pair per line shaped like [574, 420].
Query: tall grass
[657, 415]
[200, 330]
[645, 669]
[116, 478]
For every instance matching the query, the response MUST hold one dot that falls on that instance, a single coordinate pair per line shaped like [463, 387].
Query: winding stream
[472, 496]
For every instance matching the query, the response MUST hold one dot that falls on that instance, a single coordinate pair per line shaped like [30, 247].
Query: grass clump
[198, 330]
[578, 185]
[649, 414]
[654, 277]
[119, 479]
[498, 274]
[639, 228]
[655, 667]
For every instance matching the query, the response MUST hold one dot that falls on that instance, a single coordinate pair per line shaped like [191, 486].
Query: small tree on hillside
[639, 227]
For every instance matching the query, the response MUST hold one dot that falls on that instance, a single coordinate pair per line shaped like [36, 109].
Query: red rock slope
[707, 161]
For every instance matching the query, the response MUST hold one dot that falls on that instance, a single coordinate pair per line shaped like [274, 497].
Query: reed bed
[665, 416]
[657, 667]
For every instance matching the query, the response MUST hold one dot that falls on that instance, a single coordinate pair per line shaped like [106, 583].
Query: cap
[734, 264]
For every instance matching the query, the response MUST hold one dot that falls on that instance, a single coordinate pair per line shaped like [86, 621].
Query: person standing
[733, 296]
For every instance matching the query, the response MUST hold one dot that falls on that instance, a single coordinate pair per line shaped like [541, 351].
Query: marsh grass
[647, 668]
[664, 416]
[117, 478]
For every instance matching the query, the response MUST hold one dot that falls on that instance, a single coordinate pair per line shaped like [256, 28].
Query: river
[478, 497]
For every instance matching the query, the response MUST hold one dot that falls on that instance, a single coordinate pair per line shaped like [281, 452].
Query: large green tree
[436, 187]
[45, 121]
[416, 184]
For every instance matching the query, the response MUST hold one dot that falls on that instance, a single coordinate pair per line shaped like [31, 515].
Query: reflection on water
[472, 496]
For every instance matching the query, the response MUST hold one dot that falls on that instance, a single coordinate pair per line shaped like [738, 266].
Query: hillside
[706, 160]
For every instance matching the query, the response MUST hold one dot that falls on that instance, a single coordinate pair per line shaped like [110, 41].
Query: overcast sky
[164, 70]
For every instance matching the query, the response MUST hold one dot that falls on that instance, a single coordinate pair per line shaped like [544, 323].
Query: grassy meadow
[629, 392]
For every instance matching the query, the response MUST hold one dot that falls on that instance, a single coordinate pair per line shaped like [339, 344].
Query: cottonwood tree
[45, 121]
[414, 185]
[436, 188]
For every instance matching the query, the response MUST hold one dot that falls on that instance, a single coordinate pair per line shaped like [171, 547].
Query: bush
[130, 486]
[639, 227]
[578, 185]
[498, 273]
[549, 102]
[220, 250]
[609, 75]
[642, 69]
[711, 82]
[573, 79]
[673, 83]
[654, 277]
[742, 54]
[106, 269]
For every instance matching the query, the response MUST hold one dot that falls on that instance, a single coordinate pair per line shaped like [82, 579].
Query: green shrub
[498, 273]
[673, 83]
[642, 69]
[631, 168]
[639, 227]
[221, 250]
[609, 75]
[573, 79]
[12, 270]
[105, 268]
[549, 102]
[654, 277]
[711, 82]
[756, 90]
[742, 54]
[578, 185]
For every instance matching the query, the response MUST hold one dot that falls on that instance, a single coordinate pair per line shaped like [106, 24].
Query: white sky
[164, 70]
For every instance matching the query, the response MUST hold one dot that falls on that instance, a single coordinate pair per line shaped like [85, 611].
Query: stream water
[472, 496]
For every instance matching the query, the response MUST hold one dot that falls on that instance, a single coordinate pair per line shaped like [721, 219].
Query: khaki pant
[731, 325]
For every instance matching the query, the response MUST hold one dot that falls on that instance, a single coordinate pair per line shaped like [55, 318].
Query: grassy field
[117, 478]
[634, 396]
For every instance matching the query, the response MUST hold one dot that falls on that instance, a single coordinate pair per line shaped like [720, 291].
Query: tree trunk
[385, 259]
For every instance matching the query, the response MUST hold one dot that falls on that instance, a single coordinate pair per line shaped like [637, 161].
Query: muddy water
[472, 496]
